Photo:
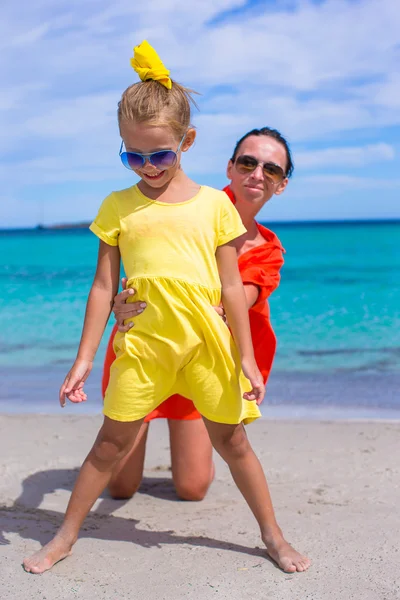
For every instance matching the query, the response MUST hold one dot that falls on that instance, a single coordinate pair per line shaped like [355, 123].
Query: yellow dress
[178, 344]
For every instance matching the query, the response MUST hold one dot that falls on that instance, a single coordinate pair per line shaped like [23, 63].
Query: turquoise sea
[336, 315]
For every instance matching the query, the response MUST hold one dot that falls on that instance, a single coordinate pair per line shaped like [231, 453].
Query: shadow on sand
[33, 523]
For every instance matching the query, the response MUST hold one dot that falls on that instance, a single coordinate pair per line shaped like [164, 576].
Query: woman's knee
[123, 491]
[194, 493]
[194, 490]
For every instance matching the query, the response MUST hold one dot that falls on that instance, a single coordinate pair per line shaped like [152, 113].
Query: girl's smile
[155, 177]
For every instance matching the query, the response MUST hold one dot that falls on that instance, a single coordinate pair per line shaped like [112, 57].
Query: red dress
[259, 266]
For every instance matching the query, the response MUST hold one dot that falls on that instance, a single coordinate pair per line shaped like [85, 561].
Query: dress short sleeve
[230, 223]
[261, 267]
[266, 279]
[107, 224]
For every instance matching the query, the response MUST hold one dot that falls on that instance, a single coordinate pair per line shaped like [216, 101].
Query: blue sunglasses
[163, 159]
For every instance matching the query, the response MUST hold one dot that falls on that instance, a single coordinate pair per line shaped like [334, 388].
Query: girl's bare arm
[235, 304]
[98, 309]
[100, 301]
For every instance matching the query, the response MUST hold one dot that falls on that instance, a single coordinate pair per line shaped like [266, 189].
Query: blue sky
[326, 73]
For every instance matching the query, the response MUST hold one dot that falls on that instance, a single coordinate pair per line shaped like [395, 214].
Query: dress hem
[126, 419]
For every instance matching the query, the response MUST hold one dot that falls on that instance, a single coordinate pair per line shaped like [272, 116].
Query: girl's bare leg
[128, 473]
[113, 441]
[231, 442]
[191, 458]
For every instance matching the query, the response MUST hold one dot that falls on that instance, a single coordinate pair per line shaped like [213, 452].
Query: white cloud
[345, 157]
[338, 197]
[313, 70]
[30, 36]
[76, 117]
[338, 183]
[387, 94]
[16, 213]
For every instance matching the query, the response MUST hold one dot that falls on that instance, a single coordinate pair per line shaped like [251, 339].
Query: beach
[334, 485]
[270, 127]
[328, 439]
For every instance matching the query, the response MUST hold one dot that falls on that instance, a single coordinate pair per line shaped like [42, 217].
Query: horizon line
[85, 225]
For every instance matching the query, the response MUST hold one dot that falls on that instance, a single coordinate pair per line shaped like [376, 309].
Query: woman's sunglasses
[246, 164]
[163, 159]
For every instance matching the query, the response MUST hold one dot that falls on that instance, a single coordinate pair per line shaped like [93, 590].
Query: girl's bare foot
[49, 555]
[285, 556]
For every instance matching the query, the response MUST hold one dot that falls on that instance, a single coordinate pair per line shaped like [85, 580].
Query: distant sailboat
[40, 224]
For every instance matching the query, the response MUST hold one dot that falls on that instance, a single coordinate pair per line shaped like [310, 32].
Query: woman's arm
[235, 304]
[123, 309]
[98, 309]
[251, 292]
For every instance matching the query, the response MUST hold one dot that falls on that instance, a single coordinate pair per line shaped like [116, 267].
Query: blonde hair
[151, 102]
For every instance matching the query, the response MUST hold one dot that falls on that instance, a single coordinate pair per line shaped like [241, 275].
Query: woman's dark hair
[272, 133]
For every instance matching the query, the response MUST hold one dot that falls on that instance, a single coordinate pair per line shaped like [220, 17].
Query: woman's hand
[252, 372]
[72, 388]
[127, 310]
[221, 312]
[123, 310]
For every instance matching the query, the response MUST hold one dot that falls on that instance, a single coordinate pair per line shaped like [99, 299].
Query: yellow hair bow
[148, 65]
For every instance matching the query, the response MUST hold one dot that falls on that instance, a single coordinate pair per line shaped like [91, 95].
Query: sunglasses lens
[164, 159]
[246, 164]
[131, 160]
[273, 172]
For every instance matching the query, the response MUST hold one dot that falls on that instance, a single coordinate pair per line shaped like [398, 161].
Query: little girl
[176, 242]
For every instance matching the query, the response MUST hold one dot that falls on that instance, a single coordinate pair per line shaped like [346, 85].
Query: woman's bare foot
[49, 555]
[285, 556]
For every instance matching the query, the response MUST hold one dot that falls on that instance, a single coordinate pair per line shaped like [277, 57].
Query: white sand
[335, 487]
